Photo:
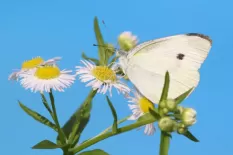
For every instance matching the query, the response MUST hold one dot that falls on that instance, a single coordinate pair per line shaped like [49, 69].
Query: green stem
[67, 153]
[164, 143]
[61, 134]
[110, 127]
[106, 135]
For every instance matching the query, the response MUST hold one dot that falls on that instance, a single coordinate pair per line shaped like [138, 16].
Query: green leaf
[154, 113]
[38, 117]
[46, 144]
[80, 118]
[165, 88]
[94, 152]
[114, 126]
[91, 59]
[146, 117]
[190, 136]
[180, 98]
[100, 41]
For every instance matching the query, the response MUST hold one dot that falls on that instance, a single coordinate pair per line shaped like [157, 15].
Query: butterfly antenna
[107, 47]
[104, 23]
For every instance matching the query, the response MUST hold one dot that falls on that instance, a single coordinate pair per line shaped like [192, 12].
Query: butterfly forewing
[180, 55]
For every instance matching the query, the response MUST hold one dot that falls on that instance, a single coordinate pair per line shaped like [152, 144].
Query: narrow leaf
[114, 126]
[180, 98]
[165, 88]
[146, 117]
[46, 144]
[91, 59]
[100, 41]
[94, 152]
[190, 136]
[80, 117]
[38, 117]
[154, 113]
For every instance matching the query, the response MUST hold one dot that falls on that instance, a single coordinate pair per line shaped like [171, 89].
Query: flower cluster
[44, 76]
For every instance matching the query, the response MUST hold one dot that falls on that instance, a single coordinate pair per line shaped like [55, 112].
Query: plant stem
[61, 134]
[67, 153]
[110, 127]
[106, 135]
[164, 143]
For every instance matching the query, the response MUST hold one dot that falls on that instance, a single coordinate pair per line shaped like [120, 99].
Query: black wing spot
[180, 56]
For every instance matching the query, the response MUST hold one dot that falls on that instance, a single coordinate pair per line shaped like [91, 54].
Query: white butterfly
[180, 55]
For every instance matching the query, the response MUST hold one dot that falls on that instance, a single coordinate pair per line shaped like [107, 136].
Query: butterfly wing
[180, 55]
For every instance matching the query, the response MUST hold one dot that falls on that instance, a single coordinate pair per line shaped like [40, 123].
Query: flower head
[127, 41]
[141, 105]
[102, 78]
[31, 64]
[44, 78]
[189, 116]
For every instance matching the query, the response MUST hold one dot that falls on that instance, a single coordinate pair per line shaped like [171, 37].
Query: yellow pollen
[145, 104]
[32, 63]
[104, 73]
[47, 72]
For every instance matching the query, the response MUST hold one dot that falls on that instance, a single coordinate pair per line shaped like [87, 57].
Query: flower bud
[162, 104]
[188, 116]
[127, 41]
[180, 109]
[171, 104]
[181, 130]
[166, 124]
[165, 111]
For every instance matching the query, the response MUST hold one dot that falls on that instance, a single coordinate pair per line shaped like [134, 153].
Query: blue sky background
[65, 28]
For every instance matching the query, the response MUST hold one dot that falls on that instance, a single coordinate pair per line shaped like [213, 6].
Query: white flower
[189, 116]
[30, 65]
[141, 105]
[44, 78]
[102, 78]
[127, 41]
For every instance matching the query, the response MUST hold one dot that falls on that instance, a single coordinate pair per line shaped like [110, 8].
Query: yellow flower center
[104, 73]
[47, 72]
[32, 63]
[145, 104]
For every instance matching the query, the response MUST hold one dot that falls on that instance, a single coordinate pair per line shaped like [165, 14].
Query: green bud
[166, 124]
[181, 130]
[188, 116]
[171, 105]
[127, 41]
[165, 110]
[180, 109]
[162, 104]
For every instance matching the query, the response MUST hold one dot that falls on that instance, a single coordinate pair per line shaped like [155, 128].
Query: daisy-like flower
[127, 41]
[141, 105]
[30, 65]
[102, 78]
[44, 78]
